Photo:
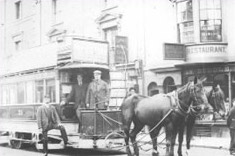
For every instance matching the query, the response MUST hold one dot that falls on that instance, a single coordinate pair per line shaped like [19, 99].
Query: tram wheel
[17, 144]
[115, 140]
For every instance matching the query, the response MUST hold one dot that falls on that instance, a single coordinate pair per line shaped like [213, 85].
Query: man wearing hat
[97, 92]
[78, 95]
[48, 119]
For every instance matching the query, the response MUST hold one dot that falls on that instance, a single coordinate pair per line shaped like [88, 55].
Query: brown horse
[151, 110]
[216, 99]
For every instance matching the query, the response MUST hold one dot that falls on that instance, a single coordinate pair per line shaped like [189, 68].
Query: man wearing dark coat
[97, 92]
[231, 125]
[48, 119]
[78, 94]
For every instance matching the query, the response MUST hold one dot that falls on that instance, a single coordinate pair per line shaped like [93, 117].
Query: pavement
[202, 142]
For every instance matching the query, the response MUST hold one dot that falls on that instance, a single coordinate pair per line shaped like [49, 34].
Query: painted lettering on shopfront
[207, 49]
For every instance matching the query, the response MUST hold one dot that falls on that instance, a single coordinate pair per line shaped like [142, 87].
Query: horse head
[198, 96]
[216, 100]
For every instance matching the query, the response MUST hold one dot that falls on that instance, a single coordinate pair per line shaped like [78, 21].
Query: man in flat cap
[97, 93]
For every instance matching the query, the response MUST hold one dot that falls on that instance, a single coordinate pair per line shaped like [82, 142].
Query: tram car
[22, 93]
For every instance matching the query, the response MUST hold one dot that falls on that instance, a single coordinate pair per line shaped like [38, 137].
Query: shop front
[217, 74]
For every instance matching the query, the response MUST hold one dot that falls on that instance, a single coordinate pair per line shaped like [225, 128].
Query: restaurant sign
[206, 52]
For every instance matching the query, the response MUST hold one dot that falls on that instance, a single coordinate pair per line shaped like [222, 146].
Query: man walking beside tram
[48, 119]
[78, 92]
[97, 92]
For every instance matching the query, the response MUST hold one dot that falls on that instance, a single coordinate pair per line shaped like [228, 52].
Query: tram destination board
[100, 123]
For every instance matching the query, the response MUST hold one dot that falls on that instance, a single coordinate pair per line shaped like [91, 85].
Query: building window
[54, 10]
[18, 9]
[185, 21]
[18, 45]
[210, 21]
[110, 3]
[110, 36]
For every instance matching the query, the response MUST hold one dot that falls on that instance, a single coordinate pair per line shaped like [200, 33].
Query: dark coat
[47, 117]
[78, 93]
[97, 92]
[231, 118]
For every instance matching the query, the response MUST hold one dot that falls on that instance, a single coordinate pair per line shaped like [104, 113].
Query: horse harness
[176, 106]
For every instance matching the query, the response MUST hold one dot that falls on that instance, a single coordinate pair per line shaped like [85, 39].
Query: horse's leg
[126, 130]
[154, 135]
[189, 125]
[168, 131]
[171, 132]
[173, 137]
[137, 128]
[180, 138]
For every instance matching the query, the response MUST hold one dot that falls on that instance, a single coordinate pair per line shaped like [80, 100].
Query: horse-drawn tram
[23, 89]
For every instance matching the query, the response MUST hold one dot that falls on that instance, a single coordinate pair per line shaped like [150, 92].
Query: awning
[75, 65]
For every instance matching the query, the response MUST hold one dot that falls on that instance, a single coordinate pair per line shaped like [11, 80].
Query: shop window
[50, 89]
[210, 21]
[185, 21]
[222, 81]
[39, 91]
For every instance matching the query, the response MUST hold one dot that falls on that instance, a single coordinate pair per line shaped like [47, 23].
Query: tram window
[29, 92]
[21, 93]
[5, 95]
[13, 93]
[39, 91]
[50, 89]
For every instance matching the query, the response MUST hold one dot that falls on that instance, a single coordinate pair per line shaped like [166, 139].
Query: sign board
[121, 51]
[174, 51]
[210, 52]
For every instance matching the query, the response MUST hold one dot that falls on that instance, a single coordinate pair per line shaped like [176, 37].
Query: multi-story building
[205, 29]
[40, 34]
[165, 43]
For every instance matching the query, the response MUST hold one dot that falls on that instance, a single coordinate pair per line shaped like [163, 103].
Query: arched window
[169, 85]
[152, 89]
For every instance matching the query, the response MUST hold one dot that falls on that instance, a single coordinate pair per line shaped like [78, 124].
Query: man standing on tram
[48, 119]
[78, 92]
[97, 93]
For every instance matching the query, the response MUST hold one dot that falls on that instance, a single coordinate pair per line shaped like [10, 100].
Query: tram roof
[75, 65]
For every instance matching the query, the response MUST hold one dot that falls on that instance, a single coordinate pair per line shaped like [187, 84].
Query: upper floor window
[54, 10]
[110, 3]
[185, 21]
[18, 45]
[110, 36]
[210, 21]
[18, 9]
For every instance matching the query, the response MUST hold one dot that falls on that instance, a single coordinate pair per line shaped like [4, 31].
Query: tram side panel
[19, 125]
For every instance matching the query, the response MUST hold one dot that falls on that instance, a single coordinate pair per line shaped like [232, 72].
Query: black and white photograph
[117, 77]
